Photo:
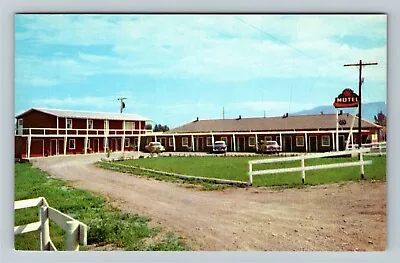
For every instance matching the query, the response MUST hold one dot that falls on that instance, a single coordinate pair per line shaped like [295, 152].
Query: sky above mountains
[174, 68]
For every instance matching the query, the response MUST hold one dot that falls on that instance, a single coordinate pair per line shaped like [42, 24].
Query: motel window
[171, 141]
[299, 141]
[209, 141]
[225, 139]
[252, 141]
[20, 122]
[185, 141]
[268, 138]
[127, 142]
[326, 140]
[90, 124]
[71, 144]
[69, 123]
[129, 125]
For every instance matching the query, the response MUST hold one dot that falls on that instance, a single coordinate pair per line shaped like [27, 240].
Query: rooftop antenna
[264, 113]
[122, 103]
[223, 112]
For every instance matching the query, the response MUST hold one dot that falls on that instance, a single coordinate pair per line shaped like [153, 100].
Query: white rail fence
[377, 148]
[303, 168]
[76, 231]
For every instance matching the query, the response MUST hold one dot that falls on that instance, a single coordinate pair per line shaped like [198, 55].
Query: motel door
[199, 146]
[342, 143]
[312, 144]
[287, 143]
[241, 144]
[53, 147]
[163, 142]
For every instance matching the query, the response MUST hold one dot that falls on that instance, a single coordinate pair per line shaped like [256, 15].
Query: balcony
[70, 132]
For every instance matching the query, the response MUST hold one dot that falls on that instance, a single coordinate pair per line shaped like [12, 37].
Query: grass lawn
[107, 225]
[236, 168]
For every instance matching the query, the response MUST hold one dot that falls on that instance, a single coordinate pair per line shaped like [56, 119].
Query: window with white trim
[127, 142]
[225, 139]
[129, 125]
[71, 144]
[171, 141]
[326, 140]
[90, 124]
[299, 141]
[268, 138]
[69, 123]
[252, 141]
[209, 141]
[185, 141]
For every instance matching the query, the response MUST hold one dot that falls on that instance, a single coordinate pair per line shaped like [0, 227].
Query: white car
[154, 147]
[220, 146]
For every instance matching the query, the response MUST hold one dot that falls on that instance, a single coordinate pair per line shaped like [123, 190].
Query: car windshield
[155, 143]
[220, 143]
[272, 143]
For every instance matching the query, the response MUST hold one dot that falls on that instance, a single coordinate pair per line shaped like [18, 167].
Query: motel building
[46, 132]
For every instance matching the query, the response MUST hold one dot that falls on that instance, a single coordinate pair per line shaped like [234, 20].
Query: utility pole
[223, 113]
[360, 82]
[122, 103]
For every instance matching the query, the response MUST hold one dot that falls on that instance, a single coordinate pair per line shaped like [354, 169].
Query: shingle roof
[295, 122]
[88, 114]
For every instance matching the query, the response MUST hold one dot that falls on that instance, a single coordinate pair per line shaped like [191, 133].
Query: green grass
[236, 168]
[107, 225]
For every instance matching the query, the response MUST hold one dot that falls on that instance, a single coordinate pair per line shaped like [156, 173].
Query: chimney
[240, 117]
[322, 113]
[196, 120]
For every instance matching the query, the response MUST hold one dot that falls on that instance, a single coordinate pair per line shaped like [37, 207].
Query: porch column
[352, 140]
[173, 140]
[29, 146]
[256, 142]
[234, 142]
[86, 143]
[192, 142]
[65, 145]
[212, 139]
[57, 125]
[155, 138]
[105, 143]
[306, 141]
[280, 139]
[138, 146]
[123, 143]
[333, 141]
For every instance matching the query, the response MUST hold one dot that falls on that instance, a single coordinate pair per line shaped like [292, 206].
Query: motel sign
[346, 99]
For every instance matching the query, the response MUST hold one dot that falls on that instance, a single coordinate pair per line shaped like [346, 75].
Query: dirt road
[339, 217]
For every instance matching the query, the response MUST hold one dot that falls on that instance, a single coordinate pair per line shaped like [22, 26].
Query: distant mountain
[369, 110]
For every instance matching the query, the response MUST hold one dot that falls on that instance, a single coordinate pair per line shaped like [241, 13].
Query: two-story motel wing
[43, 132]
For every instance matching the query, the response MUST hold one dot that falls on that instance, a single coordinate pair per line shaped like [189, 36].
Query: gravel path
[337, 217]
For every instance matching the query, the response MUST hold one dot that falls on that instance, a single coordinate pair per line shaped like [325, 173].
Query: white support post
[65, 145]
[72, 236]
[29, 145]
[105, 143]
[250, 175]
[256, 142]
[351, 131]
[193, 143]
[306, 140]
[212, 139]
[337, 130]
[333, 141]
[303, 171]
[123, 143]
[173, 139]
[155, 138]
[352, 141]
[138, 146]
[234, 142]
[57, 125]
[280, 140]
[44, 234]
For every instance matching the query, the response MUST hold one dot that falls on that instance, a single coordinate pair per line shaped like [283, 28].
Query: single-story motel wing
[46, 132]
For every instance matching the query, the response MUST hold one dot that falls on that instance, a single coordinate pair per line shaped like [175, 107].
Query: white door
[20, 126]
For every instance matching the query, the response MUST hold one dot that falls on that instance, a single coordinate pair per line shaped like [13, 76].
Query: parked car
[270, 147]
[154, 147]
[219, 146]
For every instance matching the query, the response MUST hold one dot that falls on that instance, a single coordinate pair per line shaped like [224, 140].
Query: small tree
[380, 119]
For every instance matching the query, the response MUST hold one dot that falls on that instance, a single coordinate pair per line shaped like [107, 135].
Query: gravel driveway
[337, 217]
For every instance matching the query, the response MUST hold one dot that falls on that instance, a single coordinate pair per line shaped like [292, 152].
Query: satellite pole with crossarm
[122, 103]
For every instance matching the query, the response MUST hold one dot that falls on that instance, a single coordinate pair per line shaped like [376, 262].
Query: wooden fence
[376, 148]
[76, 231]
[304, 168]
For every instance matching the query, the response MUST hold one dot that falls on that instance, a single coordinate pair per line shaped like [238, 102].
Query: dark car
[219, 147]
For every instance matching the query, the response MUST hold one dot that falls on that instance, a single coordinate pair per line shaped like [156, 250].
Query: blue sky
[174, 68]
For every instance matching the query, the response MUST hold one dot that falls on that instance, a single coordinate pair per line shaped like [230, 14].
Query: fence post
[72, 243]
[380, 148]
[44, 234]
[250, 175]
[303, 171]
[362, 165]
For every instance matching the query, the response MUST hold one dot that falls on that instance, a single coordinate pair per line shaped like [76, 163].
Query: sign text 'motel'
[346, 99]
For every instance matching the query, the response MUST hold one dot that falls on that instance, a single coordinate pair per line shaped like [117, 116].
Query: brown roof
[295, 122]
